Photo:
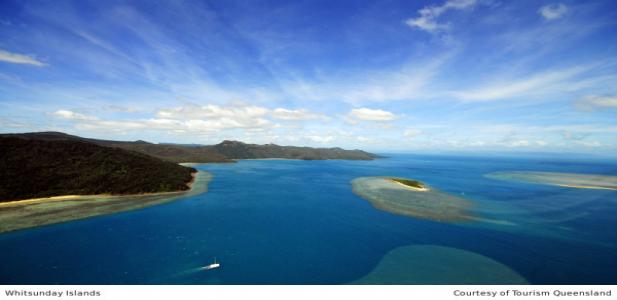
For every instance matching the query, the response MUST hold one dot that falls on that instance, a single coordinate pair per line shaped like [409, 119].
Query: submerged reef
[412, 198]
[430, 264]
[571, 180]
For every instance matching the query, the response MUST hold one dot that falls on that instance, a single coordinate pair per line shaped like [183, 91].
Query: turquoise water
[298, 222]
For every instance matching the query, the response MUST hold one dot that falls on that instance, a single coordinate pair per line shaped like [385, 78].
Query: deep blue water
[298, 222]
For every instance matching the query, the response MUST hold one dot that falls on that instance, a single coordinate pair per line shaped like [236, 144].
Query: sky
[453, 75]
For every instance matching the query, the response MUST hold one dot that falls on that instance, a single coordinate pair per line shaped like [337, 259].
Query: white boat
[211, 266]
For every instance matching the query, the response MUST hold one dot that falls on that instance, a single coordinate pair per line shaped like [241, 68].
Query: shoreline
[31, 213]
[87, 197]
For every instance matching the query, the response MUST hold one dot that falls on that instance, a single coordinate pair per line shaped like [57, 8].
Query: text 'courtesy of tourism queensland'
[551, 293]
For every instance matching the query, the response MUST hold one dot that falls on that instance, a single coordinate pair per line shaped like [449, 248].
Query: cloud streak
[530, 85]
[16, 58]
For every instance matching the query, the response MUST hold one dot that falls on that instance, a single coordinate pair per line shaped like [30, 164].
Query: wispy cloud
[553, 11]
[541, 83]
[16, 58]
[427, 20]
[594, 102]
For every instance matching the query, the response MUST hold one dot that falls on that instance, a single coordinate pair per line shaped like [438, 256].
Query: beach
[15, 215]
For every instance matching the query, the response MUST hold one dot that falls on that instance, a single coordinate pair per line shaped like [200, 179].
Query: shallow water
[298, 222]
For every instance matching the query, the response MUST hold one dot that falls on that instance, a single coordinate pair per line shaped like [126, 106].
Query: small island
[414, 184]
[412, 198]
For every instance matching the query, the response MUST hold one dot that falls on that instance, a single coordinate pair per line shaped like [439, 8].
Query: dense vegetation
[169, 152]
[223, 152]
[239, 150]
[33, 168]
[411, 183]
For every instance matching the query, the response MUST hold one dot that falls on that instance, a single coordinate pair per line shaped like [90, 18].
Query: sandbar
[432, 264]
[570, 180]
[422, 202]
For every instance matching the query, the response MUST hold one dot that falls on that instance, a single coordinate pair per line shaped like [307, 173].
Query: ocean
[298, 222]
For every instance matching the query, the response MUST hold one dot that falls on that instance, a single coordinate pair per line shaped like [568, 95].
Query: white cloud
[518, 143]
[320, 139]
[411, 133]
[295, 115]
[367, 114]
[575, 136]
[553, 11]
[213, 111]
[427, 20]
[194, 119]
[71, 115]
[594, 102]
[591, 144]
[20, 59]
[121, 109]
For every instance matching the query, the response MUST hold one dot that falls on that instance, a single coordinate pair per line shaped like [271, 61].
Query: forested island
[226, 151]
[45, 164]
[43, 168]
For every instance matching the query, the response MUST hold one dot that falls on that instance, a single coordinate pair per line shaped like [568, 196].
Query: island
[42, 168]
[225, 152]
[412, 198]
[413, 184]
[45, 182]
[569, 180]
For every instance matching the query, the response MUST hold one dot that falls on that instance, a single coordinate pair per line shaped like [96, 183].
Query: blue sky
[454, 75]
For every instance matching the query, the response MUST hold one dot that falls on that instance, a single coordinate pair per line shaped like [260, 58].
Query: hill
[239, 150]
[53, 165]
[226, 151]
[169, 152]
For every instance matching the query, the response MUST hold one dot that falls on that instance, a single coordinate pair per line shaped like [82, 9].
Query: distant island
[226, 151]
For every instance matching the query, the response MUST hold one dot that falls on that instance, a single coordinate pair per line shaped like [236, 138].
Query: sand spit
[570, 180]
